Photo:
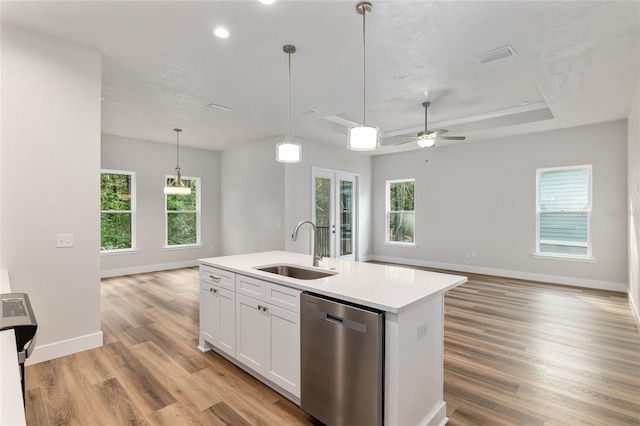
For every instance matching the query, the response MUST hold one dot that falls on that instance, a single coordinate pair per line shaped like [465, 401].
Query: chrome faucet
[316, 253]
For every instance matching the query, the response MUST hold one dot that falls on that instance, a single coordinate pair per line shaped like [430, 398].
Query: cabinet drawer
[251, 287]
[285, 297]
[218, 277]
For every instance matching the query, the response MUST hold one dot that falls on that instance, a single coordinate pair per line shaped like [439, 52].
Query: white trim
[531, 276]
[387, 212]
[132, 206]
[634, 311]
[570, 258]
[399, 244]
[119, 252]
[64, 348]
[197, 211]
[589, 211]
[183, 247]
[108, 273]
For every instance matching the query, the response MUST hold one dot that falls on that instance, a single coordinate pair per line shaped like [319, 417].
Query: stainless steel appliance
[16, 313]
[342, 361]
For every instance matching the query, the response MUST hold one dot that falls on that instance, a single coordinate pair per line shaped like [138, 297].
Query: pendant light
[362, 137]
[177, 187]
[287, 151]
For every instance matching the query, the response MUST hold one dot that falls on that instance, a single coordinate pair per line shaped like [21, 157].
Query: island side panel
[414, 342]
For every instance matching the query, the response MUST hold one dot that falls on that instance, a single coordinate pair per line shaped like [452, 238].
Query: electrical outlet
[423, 330]
[64, 240]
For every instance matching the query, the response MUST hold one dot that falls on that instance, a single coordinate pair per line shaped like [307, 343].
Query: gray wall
[298, 191]
[151, 162]
[50, 185]
[252, 214]
[480, 197]
[262, 200]
[633, 209]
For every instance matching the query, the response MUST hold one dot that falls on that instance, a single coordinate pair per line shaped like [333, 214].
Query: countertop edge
[218, 262]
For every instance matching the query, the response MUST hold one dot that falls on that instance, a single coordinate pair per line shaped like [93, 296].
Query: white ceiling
[576, 63]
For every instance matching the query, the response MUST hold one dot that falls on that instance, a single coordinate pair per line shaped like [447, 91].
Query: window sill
[405, 245]
[584, 259]
[183, 247]
[119, 252]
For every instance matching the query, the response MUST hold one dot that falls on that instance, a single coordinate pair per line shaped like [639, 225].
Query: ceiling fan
[428, 138]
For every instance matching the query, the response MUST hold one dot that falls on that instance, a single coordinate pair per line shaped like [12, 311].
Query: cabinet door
[209, 314]
[217, 317]
[227, 333]
[283, 362]
[251, 333]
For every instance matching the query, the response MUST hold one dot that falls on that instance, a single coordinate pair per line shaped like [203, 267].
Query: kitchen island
[413, 302]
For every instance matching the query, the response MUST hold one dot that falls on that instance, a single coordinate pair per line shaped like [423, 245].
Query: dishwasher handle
[334, 319]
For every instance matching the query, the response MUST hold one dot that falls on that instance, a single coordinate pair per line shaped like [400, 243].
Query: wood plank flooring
[516, 353]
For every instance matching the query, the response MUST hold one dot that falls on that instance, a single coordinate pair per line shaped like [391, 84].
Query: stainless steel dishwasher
[342, 361]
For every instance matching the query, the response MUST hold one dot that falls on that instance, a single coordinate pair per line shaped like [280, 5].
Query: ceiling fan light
[363, 138]
[288, 152]
[426, 142]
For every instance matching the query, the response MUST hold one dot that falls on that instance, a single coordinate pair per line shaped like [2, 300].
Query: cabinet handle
[213, 290]
[216, 279]
[262, 308]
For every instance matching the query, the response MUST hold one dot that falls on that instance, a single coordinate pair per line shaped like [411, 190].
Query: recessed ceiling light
[221, 32]
[267, 1]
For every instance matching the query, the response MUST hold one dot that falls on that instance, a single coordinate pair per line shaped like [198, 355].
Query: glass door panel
[323, 214]
[346, 218]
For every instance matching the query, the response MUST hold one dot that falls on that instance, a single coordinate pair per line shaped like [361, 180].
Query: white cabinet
[268, 336]
[254, 321]
[218, 317]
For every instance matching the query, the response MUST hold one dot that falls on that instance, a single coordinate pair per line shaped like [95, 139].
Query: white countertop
[384, 287]
[11, 405]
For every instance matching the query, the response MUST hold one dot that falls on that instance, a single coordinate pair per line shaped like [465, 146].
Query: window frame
[388, 213]
[132, 212]
[198, 213]
[588, 257]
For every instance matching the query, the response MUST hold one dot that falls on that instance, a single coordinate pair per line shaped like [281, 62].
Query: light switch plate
[64, 240]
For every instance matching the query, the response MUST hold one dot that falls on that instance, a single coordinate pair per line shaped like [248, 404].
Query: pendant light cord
[364, 69]
[289, 101]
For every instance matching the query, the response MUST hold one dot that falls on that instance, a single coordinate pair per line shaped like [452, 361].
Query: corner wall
[152, 161]
[50, 185]
[480, 197]
[633, 209]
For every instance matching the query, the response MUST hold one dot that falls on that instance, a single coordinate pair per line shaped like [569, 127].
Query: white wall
[252, 214]
[151, 162]
[480, 197]
[50, 185]
[262, 200]
[298, 192]
[633, 209]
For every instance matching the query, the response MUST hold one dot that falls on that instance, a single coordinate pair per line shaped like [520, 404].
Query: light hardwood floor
[516, 353]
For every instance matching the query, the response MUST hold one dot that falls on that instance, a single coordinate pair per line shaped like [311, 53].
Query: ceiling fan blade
[403, 142]
[438, 132]
[451, 138]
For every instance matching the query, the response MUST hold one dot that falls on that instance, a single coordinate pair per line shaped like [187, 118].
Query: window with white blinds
[563, 211]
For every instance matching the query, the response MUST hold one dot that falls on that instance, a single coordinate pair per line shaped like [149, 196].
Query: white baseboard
[65, 347]
[553, 279]
[634, 311]
[147, 268]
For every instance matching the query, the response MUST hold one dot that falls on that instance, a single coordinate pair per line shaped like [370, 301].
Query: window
[400, 212]
[183, 215]
[117, 210]
[563, 212]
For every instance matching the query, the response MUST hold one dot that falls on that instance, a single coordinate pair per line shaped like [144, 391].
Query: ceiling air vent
[495, 54]
[217, 106]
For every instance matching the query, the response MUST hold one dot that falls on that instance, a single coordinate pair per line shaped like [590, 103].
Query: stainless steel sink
[296, 272]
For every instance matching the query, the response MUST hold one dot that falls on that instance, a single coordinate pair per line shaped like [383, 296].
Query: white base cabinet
[258, 324]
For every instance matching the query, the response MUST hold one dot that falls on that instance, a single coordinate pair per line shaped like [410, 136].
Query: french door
[334, 199]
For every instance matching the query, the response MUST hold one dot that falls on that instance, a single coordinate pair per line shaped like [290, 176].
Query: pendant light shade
[287, 151]
[363, 137]
[177, 187]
